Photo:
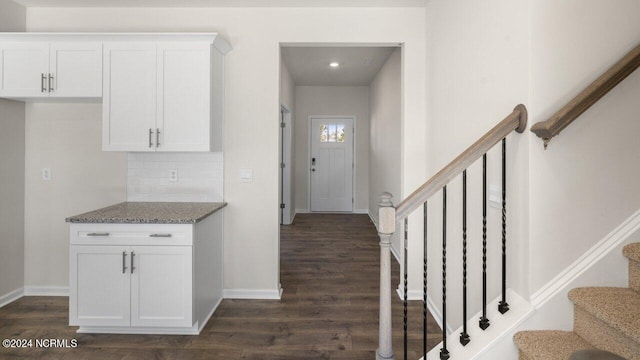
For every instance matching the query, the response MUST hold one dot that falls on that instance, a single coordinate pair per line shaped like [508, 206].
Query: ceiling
[221, 3]
[358, 65]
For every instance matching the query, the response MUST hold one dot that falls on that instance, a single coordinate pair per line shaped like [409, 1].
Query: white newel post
[386, 228]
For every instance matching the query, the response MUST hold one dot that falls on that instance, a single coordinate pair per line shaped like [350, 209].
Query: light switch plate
[246, 175]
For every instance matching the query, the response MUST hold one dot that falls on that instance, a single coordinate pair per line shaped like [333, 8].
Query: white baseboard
[415, 295]
[609, 243]
[307, 211]
[46, 291]
[193, 330]
[396, 255]
[258, 294]
[11, 297]
[374, 220]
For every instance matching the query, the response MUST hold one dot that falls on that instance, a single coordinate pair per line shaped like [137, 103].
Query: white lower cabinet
[161, 281]
[136, 286]
[101, 286]
[145, 278]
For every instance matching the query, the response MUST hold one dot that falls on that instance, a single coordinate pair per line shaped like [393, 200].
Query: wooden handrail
[517, 121]
[583, 101]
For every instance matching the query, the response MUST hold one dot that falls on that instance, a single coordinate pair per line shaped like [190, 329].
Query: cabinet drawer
[131, 234]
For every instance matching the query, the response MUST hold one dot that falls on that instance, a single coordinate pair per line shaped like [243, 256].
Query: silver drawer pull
[124, 262]
[98, 234]
[133, 254]
[160, 235]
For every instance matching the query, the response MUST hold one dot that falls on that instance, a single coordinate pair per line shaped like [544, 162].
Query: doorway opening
[345, 104]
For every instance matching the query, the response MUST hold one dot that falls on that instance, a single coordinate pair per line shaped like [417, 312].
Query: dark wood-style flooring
[329, 309]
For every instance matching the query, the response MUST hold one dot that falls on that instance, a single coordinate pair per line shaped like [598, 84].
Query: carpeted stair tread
[617, 307]
[632, 251]
[549, 344]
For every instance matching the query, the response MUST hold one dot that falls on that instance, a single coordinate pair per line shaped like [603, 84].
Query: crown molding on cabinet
[214, 38]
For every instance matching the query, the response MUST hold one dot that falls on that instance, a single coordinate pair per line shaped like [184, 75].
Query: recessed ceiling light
[334, 64]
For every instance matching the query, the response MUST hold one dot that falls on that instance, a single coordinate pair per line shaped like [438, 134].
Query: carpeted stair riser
[634, 275]
[603, 336]
[522, 356]
[548, 344]
[632, 252]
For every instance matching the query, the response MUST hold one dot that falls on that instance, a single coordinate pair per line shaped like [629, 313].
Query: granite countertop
[149, 213]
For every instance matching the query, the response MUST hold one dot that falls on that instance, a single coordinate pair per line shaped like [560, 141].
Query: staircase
[605, 318]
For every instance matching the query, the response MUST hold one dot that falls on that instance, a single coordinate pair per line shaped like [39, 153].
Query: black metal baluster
[406, 231]
[484, 322]
[424, 287]
[503, 306]
[464, 336]
[444, 353]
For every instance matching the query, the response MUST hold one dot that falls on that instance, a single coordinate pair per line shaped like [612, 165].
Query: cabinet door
[129, 97]
[25, 69]
[99, 286]
[184, 96]
[161, 286]
[76, 69]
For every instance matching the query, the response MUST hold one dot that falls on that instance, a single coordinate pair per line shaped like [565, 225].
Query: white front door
[331, 169]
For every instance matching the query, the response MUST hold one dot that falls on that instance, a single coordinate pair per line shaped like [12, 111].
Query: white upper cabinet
[165, 96]
[159, 92]
[129, 97]
[184, 96]
[45, 70]
[76, 69]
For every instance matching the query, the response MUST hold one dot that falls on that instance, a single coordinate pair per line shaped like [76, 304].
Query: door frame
[286, 157]
[353, 151]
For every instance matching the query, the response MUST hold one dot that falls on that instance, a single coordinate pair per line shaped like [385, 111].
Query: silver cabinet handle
[133, 254]
[43, 87]
[98, 234]
[160, 235]
[50, 82]
[150, 140]
[157, 137]
[124, 262]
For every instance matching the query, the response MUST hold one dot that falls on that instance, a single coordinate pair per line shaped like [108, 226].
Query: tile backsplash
[200, 177]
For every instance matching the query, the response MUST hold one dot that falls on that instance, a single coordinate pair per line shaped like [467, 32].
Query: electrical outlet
[173, 175]
[46, 174]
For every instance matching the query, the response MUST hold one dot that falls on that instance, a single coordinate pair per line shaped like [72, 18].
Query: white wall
[589, 175]
[67, 139]
[485, 57]
[332, 101]
[385, 156]
[12, 18]
[252, 108]
[477, 72]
